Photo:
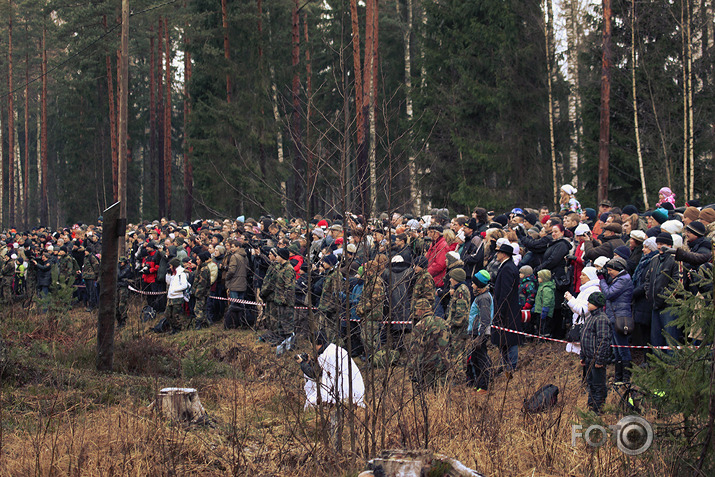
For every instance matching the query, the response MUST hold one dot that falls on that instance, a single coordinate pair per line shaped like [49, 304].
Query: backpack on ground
[545, 398]
[237, 316]
[148, 314]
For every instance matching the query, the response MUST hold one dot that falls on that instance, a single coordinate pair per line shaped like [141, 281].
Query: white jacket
[176, 283]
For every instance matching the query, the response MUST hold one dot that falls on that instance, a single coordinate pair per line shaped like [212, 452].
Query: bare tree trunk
[188, 172]
[167, 121]
[45, 216]
[18, 176]
[226, 49]
[691, 132]
[686, 127]
[373, 106]
[574, 98]
[38, 151]
[123, 149]
[10, 126]
[309, 104]
[635, 104]
[112, 122]
[161, 184]
[367, 92]
[361, 152]
[26, 181]
[411, 167]
[296, 133]
[548, 42]
[605, 130]
[152, 111]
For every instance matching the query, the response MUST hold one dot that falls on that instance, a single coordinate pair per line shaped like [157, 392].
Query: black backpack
[148, 314]
[544, 398]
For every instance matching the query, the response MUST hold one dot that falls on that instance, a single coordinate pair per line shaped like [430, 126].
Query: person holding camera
[327, 375]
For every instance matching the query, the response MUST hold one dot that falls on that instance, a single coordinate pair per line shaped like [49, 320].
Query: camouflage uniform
[331, 305]
[458, 319]
[200, 289]
[370, 310]
[268, 288]
[67, 268]
[429, 361]
[423, 296]
[8, 275]
[284, 299]
[90, 273]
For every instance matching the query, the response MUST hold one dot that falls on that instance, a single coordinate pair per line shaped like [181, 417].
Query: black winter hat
[472, 224]
[630, 209]
[501, 220]
[205, 256]
[284, 253]
[422, 262]
[664, 238]
[531, 218]
[697, 228]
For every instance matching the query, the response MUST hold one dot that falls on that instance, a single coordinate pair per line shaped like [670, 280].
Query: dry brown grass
[60, 417]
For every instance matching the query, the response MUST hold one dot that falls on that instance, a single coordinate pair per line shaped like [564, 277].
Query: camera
[301, 357]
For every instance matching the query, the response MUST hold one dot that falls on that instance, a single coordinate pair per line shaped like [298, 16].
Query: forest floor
[61, 417]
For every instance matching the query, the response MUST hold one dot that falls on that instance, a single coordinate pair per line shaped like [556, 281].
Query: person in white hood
[579, 304]
[333, 366]
[176, 283]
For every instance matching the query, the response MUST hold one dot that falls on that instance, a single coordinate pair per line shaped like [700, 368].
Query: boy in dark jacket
[527, 295]
[596, 350]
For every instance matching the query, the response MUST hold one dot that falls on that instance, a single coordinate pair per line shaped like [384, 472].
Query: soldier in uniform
[8, 275]
[370, 307]
[284, 296]
[423, 293]
[124, 275]
[90, 272]
[331, 305]
[429, 351]
[200, 289]
[458, 312]
[67, 268]
[268, 289]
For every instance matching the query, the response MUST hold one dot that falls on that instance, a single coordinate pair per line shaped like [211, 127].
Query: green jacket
[333, 290]
[458, 317]
[90, 268]
[546, 297]
[202, 282]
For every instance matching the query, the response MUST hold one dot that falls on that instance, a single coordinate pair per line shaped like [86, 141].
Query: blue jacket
[619, 294]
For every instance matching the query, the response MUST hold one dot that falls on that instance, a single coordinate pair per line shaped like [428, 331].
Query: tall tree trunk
[112, 122]
[226, 49]
[45, 212]
[26, 181]
[573, 40]
[2, 171]
[309, 105]
[152, 111]
[691, 131]
[123, 99]
[160, 119]
[548, 34]
[605, 129]
[411, 167]
[635, 104]
[361, 152]
[167, 121]
[10, 127]
[373, 105]
[38, 152]
[188, 173]
[295, 122]
[367, 95]
[277, 118]
[18, 176]
[686, 143]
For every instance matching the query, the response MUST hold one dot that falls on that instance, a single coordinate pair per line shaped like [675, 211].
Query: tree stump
[416, 463]
[181, 404]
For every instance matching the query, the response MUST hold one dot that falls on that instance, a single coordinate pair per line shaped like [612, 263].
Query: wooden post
[112, 229]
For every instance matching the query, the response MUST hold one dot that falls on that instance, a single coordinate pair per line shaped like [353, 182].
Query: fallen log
[416, 463]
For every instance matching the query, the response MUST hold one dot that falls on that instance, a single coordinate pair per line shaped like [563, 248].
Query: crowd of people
[438, 290]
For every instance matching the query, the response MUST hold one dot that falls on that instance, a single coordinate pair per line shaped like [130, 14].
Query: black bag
[574, 334]
[162, 327]
[563, 282]
[625, 324]
[148, 314]
[544, 398]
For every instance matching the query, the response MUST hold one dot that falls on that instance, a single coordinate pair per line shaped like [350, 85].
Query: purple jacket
[619, 295]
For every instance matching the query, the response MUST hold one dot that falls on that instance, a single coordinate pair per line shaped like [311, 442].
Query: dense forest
[298, 107]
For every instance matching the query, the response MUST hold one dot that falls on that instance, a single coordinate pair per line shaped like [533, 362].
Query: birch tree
[635, 104]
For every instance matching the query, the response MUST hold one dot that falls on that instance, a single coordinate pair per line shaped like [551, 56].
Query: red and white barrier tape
[564, 341]
[141, 292]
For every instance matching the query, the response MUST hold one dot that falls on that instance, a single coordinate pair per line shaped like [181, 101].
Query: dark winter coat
[506, 305]
[537, 246]
[608, 245]
[237, 273]
[619, 295]
[397, 278]
[661, 278]
[642, 307]
[44, 274]
[472, 255]
[554, 259]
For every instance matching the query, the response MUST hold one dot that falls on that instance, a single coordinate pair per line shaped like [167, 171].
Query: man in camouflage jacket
[370, 306]
[201, 288]
[279, 292]
[67, 268]
[458, 313]
[429, 351]
[90, 273]
[333, 296]
[423, 292]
